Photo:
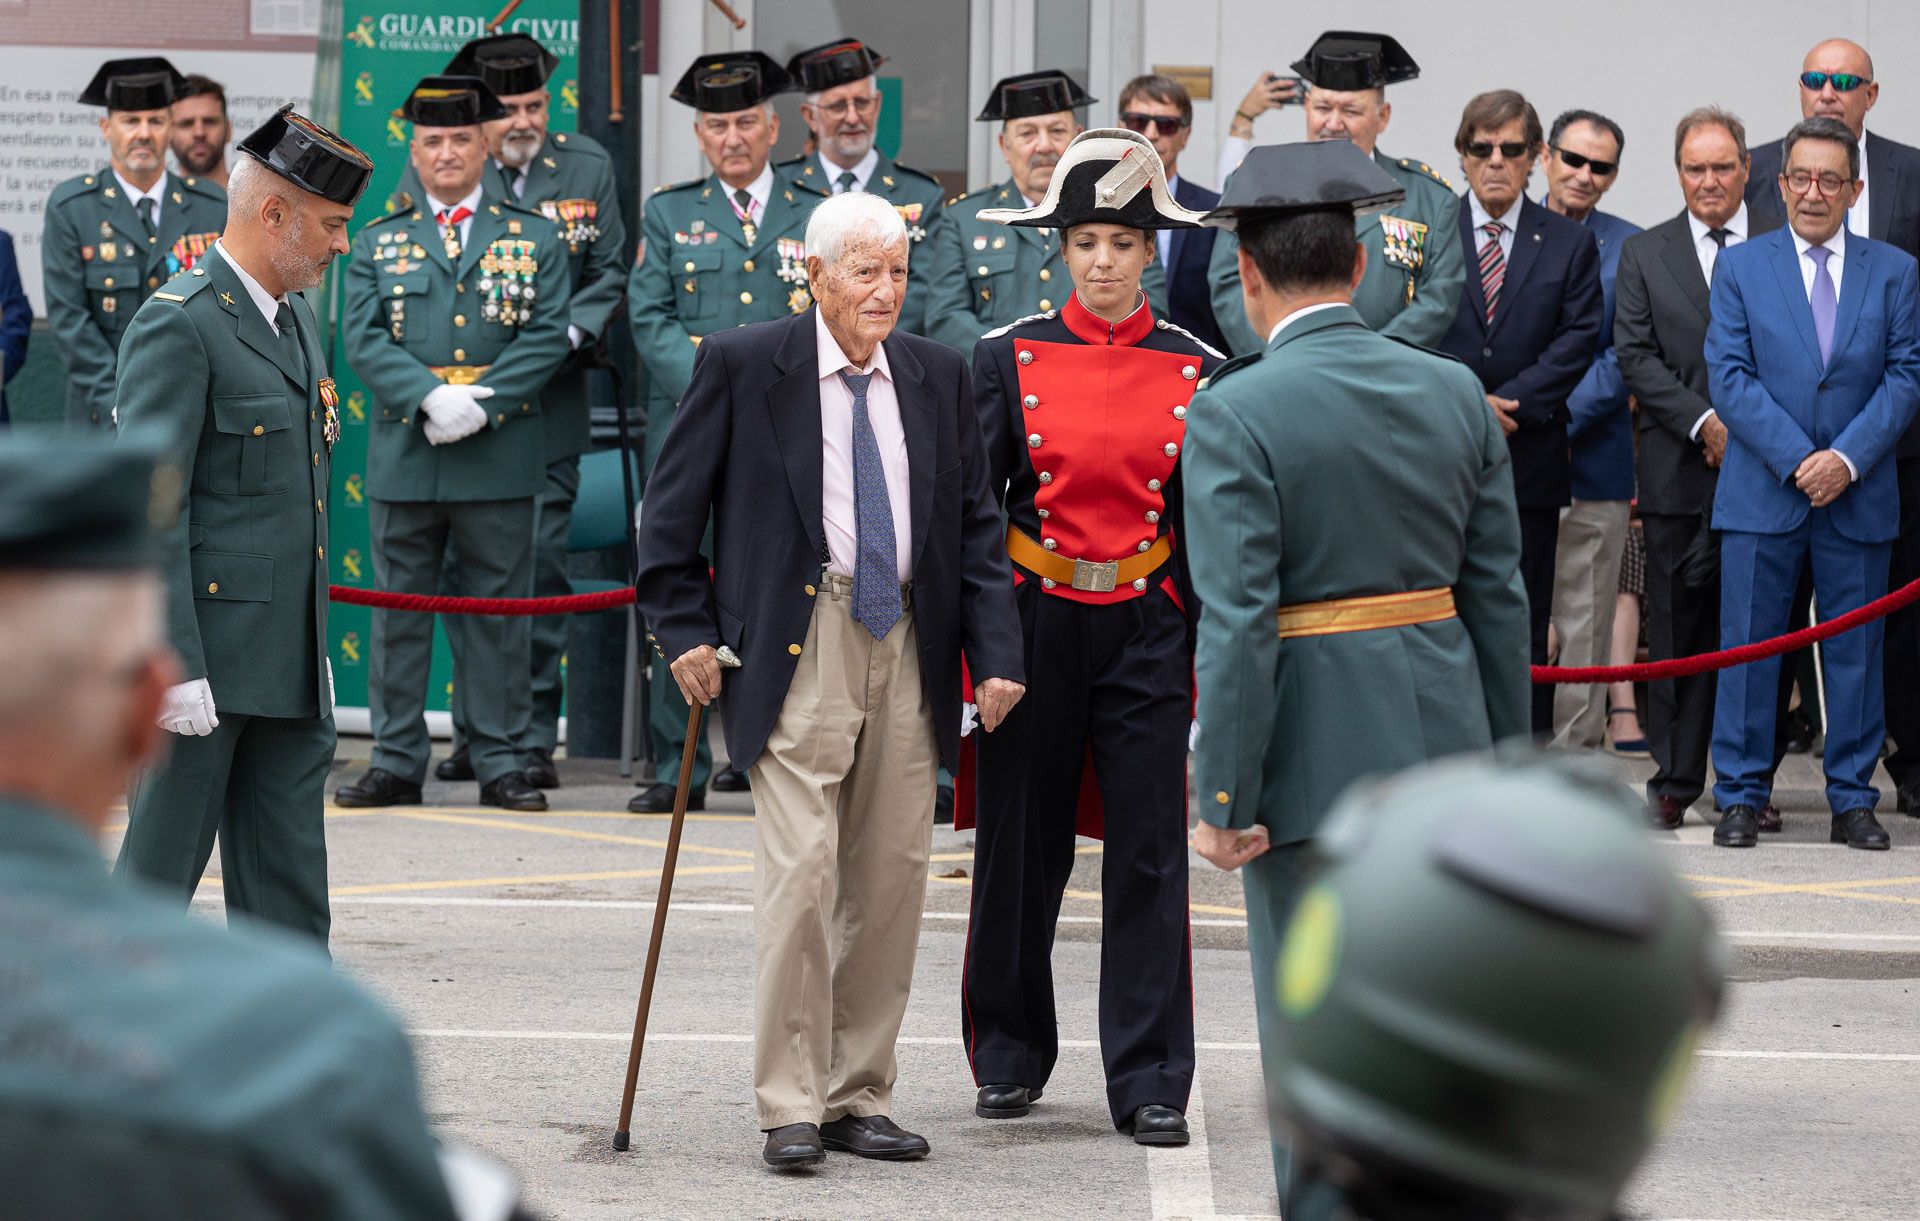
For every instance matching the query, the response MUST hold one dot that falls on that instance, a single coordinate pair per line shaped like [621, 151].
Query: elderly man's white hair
[852, 220]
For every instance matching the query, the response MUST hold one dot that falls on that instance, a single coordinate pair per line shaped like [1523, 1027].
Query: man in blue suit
[16, 318]
[1159, 108]
[1528, 324]
[1582, 163]
[1815, 369]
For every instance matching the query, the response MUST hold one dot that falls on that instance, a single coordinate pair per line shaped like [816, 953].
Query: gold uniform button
[459, 288]
[320, 506]
[1221, 797]
[500, 418]
[213, 587]
[1045, 304]
[459, 320]
[689, 266]
[153, 281]
[811, 591]
[983, 270]
[316, 459]
[794, 649]
[747, 266]
[109, 282]
[459, 353]
[1045, 275]
[746, 298]
[258, 430]
[320, 553]
[399, 291]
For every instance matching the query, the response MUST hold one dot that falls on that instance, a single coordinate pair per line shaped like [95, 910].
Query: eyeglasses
[1574, 161]
[1164, 124]
[1512, 150]
[861, 106]
[1829, 183]
[1842, 82]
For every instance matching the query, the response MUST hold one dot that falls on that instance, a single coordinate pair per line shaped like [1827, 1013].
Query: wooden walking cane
[728, 661]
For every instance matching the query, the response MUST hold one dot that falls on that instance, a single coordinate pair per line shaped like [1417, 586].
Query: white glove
[454, 412]
[188, 709]
[575, 336]
[1193, 735]
[330, 700]
[969, 717]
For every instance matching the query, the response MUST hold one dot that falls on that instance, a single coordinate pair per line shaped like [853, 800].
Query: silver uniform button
[1171, 449]
[1139, 585]
[1179, 413]
[1145, 544]
[1026, 358]
[1049, 544]
[1046, 476]
[1152, 516]
[1047, 582]
[1033, 440]
[1044, 514]
[1189, 372]
[1030, 402]
[1153, 485]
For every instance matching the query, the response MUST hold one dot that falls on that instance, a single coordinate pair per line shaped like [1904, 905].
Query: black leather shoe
[1768, 818]
[1859, 829]
[658, 799]
[456, 766]
[1004, 1101]
[379, 787]
[943, 806]
[540, 771]
[873, 1136]
[1154, 1124]
[1666, 813]
[793, 1146]
[512, 792]
[1906, 798]
[1799, 732]
[730, 780]
[1739, 828]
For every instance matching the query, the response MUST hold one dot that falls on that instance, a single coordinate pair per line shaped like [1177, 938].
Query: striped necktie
[1493, 265]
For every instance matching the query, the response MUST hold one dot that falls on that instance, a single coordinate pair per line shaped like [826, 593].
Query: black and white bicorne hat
[1108, 176]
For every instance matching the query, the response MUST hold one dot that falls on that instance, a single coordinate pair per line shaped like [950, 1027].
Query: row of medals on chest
[506, 283]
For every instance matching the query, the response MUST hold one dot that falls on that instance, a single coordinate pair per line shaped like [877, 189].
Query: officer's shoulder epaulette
[664, 187]
[399, 204]
[984, 195]
[1422, 168]
[83, 184]
[910, 172]
[206, 187]
[579, 143]
[183, 286]
[1043, 316]
[1232, 366]
[801, 183]
[1177, 329]
[514, 205]
[1421, 347]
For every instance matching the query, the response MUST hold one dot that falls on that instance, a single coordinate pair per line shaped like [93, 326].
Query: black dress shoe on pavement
[1666, 813]
[456, 766]
[1859, 829]
[379, 787]
[793, 1146]
[512, 792]
[1004, 1101]
[1768, 819]
[1906, 798]
[540, 771]
[943, 806]
[1739, 828]
[873, 1136]
[730, 780]
[1154, 1124]
[1799, 732]
[658, 799]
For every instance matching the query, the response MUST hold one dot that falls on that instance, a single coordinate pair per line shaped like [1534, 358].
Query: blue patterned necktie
[876, 564]
[1823, 301]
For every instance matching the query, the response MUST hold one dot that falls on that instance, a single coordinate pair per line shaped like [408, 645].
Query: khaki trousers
[1586, 583]
[843, 816]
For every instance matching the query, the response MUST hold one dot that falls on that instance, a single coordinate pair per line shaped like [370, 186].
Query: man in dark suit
[1660, 329]
[1814, 365]
[16, 318]
[1159, 108]
[1528, 324]
[847, 604]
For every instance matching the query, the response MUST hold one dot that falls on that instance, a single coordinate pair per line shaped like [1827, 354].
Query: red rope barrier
[437, 604]
[1701, 663]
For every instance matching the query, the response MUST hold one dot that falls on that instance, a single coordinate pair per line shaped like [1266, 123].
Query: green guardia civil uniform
[100, 263]
[983, 275]
[918, 198]
[416, 317]
[1415, 265]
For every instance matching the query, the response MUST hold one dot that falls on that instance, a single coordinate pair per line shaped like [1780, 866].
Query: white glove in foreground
[188, 709]
[454, 412]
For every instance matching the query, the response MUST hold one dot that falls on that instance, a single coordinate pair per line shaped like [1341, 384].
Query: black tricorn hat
[1314, 176]
[730, 81]
[1347, 61]
[309, 156]
[79, 504]
[451, 101]
[146, 83]
[1049, 91]
[511, 64]
[1107, 176]
[833, 64]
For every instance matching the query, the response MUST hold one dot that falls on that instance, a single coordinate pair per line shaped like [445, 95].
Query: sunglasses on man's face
[1574, 161]
[1166, 124]
[1843, 82]
[1512, 150]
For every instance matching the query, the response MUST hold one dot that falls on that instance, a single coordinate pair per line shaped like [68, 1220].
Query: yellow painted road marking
[614, 875]
[565, 832]
[490, 811]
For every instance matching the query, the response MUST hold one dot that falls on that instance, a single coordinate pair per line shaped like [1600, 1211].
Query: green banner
[384, 53]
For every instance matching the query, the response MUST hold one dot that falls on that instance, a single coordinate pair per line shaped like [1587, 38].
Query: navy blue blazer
[1780, 405]
[1189, 297]
[745, 447]
[1600, 428]
[1540, 342]
[16, 316]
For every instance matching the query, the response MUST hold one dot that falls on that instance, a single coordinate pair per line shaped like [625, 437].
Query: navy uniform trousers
[1114, 680]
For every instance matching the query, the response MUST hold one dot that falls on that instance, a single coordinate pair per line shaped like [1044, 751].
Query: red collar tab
[1092, 328]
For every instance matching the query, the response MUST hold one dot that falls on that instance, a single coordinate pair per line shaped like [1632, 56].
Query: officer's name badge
[1404, 242]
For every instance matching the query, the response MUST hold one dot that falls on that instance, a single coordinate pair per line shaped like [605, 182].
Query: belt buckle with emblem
[1093, 578]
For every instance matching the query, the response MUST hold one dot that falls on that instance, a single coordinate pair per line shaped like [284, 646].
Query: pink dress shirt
[836, 436]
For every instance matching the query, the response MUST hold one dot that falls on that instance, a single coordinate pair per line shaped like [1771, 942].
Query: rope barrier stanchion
[440, 604]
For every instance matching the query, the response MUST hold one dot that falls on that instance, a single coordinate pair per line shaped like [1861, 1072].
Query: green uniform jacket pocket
[249, 441]
[232, 576]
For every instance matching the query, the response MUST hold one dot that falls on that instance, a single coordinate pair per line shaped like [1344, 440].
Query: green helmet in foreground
[1490, 993]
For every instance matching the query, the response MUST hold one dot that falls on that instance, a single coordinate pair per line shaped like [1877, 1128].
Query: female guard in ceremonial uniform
[1084, 410]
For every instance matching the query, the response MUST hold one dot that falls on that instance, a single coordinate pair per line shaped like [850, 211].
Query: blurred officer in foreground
[715, 253]
[842, 111]
[983, 276]
[115, 235]
[1415, 267]
[455, 318]
[227, 366]
[1487, 1001]
[569, 179]
[1353, 492]
[154, 1065]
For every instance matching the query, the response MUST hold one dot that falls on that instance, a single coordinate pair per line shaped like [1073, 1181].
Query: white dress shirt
[861, 172]
[264, 301]
[1836, 266]
[157, 193]
[1302, 312]
[761, 189]
[1164, 238]
[836, 436]
[1708, 252]
[1507, 219]
[1857, 214]
[471, 203]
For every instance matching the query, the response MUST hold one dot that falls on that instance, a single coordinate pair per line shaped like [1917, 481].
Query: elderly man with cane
[856, 552]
